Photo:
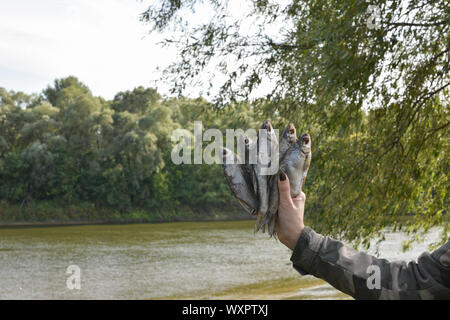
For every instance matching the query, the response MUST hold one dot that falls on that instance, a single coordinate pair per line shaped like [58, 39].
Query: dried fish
[255, 188]
[296, 163]
[239, 182]
[288, 139]
[267, 143]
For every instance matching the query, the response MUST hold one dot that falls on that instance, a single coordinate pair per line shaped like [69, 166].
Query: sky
[101, 42]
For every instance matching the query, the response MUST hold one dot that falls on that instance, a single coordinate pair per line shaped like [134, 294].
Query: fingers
[284, 189]
[299, 200]
[301, 197]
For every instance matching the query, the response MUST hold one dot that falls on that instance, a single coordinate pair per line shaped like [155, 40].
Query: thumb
[284, 188]
[299, 200]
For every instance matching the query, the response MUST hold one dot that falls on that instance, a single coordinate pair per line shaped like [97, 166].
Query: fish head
[267, 125]
[228, 156]
[248, 142]
[249, 154]
[290, 134]
[304, 142]
[244, 140]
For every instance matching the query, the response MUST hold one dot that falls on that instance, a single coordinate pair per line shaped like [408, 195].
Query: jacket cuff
[305, 251]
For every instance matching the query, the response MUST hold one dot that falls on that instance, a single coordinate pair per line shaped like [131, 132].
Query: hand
[289, 221]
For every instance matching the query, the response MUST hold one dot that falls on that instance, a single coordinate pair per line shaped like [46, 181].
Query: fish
[250, 154]
[307, 150]
[288, 138]
[295, 163]
[238, 181]
[267, 152]
[255, 188]
[250, 148]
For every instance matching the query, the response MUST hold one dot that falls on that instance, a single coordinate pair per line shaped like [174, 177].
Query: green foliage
[375, 101]
[67, 148]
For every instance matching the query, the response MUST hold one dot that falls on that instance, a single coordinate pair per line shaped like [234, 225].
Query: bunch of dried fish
[256, 190]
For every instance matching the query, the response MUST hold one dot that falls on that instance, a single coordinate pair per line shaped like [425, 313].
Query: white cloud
[101, 42]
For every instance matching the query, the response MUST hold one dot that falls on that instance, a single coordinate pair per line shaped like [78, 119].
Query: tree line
[67, 147]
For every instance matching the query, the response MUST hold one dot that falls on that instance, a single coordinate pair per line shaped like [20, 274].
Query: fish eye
[306, 139]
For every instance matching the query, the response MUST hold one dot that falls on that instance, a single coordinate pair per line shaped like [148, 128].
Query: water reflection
[206, 260]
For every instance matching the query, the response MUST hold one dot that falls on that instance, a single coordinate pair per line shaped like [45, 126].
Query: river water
[187, 260]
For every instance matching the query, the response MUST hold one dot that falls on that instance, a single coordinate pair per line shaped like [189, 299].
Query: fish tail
[261, 222]
[258, 222]
[271, 227]
[265, 221]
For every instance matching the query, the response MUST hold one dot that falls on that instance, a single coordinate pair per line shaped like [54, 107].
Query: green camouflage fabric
[351, 271]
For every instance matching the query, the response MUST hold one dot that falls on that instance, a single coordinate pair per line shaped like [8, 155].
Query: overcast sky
[101, 42]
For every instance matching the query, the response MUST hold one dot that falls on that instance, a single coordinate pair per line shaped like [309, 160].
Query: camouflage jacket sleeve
[366, 277]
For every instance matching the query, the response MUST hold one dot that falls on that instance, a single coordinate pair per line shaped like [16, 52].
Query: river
[186, 260]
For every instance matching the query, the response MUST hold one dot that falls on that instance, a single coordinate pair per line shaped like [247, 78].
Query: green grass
[279, 289]
[51, 213]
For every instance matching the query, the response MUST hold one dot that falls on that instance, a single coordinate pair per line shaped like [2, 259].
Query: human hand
[289, 221]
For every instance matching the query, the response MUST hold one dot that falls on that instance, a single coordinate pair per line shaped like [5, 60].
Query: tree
[377, 94]
[12, 118]
[38, 172]
[136, 101]
[140, 138]
[67, 147]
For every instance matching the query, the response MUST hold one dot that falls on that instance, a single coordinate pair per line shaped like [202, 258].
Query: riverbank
[48, 214]
[188, 260]
[45, 214]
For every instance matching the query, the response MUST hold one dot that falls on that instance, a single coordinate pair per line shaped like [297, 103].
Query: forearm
[349, 270]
